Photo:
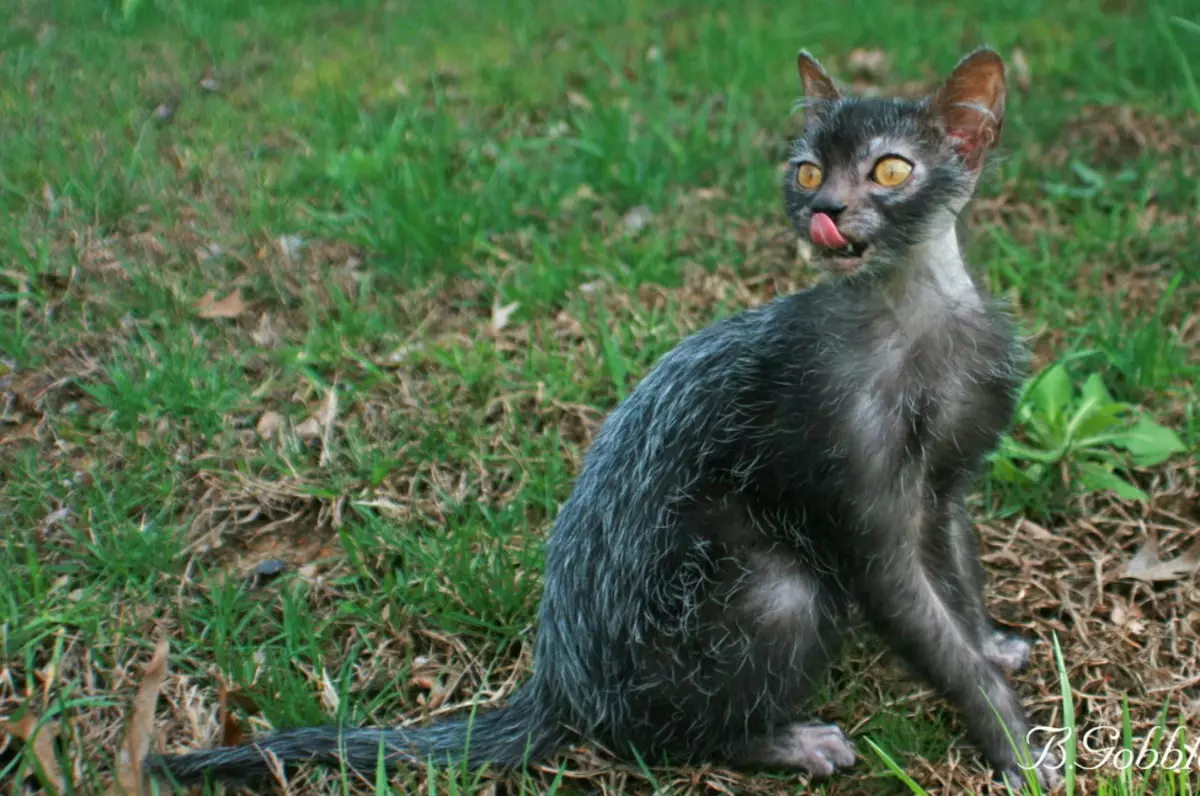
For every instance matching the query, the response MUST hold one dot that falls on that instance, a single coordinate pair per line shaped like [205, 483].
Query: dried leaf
[579, 101]
[229, 307]
[707, 194]
[309, 429]
[501, 314]
[208, 251]
[56, 517]
[1147, 566]
[870, 64]
[265, 335]
[329, 694]
[140, 727]
[43, 747]
[268, 424]
[290, 246]
[1020, 69]
[232, 733]
[328, 416]
[584, 193]
[636, 219]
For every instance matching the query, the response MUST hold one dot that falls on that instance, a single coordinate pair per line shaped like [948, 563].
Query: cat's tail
[518, 734]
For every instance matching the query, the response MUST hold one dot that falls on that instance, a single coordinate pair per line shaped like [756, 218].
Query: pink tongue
[825, 233]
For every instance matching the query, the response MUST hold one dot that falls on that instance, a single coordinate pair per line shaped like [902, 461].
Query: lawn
[309, 311]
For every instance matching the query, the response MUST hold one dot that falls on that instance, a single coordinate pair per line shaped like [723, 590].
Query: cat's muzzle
[844, 259]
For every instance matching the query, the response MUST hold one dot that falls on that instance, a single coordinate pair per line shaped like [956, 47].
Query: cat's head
[869, 179]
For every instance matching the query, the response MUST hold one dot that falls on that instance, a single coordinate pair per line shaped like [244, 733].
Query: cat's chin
[844, 265]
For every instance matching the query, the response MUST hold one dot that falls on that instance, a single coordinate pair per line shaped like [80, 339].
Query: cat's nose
[829, 206]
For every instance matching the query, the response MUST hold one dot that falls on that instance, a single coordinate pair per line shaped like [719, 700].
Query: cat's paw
[1007, 650]
[1046, 766]
[820, 749]
[814, 747]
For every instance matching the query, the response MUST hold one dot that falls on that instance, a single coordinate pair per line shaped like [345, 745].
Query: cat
[772, 471]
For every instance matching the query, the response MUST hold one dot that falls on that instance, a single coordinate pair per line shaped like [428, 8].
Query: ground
[310, 311]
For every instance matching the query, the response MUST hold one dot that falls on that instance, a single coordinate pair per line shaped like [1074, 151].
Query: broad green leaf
[1094, 387]
[1016, 450]
[1098, 478]
[1149, 442]
[1045, 432]
[1052, 392]
[1108, 418]
[1004, 470]
[1083, 411]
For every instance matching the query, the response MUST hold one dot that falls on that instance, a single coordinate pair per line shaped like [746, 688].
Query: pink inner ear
[965, 146]
[979, 81]
[971, 133]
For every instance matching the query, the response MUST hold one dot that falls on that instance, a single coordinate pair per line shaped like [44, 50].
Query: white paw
[1046, 766]
[1010, 652]
[820, 749]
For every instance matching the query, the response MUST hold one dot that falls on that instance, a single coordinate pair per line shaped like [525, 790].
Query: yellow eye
[891, 171]
[808, 176]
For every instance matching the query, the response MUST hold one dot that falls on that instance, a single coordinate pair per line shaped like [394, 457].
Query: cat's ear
[818, 85]
[970, 104]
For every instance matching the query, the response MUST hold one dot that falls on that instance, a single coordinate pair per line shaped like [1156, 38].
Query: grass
[459, 234]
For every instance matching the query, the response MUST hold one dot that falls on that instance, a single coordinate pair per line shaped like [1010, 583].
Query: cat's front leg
[1008, 650]
[901, 598]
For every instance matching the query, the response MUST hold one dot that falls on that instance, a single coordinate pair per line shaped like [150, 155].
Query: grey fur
[771, 470]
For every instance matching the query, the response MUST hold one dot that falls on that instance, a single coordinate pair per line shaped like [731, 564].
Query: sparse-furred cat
[772, 470]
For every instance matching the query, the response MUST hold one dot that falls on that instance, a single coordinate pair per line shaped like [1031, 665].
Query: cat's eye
[891, 171]
[808, 176]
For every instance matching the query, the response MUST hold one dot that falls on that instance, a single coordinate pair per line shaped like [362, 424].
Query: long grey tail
[520, 733]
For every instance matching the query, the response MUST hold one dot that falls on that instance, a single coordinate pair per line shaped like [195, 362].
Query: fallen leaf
[232, 733]
[309, 429]
[1147, 566]
[871, 64]
[501, 314]
[229, 307]
[268, 424]
[290, 246]
[584, 193]
[707, 194]
[265, 335]
[42, 739]
[140, 727]
[579, 101]
[1020, 69]
[208, 251]
[328, 416]
[329, 694]
[636, 219]
[56, 517]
